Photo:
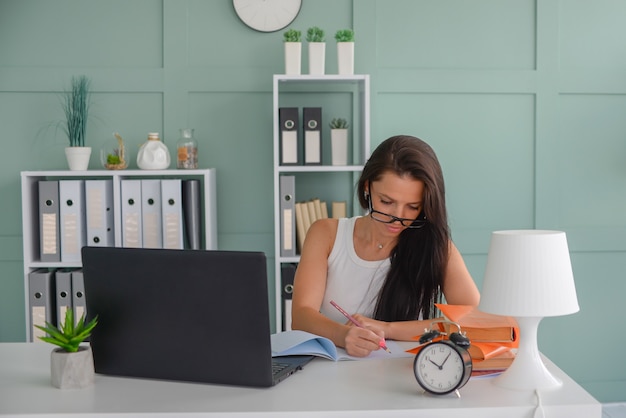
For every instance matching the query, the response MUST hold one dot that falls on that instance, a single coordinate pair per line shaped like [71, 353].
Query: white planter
[293, 58]
[339, 146]
[345, 58]
[317, 58]
[78, 157]
[71, 370]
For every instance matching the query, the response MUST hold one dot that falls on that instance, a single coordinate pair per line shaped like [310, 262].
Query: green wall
[524, 101]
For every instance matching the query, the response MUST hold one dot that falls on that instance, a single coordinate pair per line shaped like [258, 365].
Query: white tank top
[353, 283]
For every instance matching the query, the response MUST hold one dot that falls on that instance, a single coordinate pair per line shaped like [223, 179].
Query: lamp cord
[539, 413]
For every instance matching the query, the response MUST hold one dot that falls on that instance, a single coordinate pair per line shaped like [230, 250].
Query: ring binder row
[156, 213]
[52, 292]
[296, 148]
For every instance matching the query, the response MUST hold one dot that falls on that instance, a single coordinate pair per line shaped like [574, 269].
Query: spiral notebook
[188, 315]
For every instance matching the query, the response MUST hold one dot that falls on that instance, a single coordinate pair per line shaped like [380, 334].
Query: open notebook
[190, 315]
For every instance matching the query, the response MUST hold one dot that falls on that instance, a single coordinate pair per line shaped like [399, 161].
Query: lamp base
[528, 372]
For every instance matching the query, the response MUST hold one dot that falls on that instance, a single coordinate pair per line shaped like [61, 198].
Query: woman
[387, 268]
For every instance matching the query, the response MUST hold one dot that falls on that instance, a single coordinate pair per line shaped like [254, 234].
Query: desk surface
[323, 388]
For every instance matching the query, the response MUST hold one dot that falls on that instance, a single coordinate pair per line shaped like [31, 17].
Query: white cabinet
[345, 97]
[30, 212]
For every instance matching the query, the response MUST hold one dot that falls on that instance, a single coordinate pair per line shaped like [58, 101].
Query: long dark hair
[418, 261]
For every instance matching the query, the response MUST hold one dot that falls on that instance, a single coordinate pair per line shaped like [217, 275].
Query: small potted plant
[345, 51]
[71, 365]
[76, 103]
[293, 51]
[317, 50]
[339, 141]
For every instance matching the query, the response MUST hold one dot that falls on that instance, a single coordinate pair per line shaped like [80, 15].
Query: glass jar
[153, 154]
[187, 150]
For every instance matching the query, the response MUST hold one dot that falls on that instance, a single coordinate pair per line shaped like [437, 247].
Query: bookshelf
[338, 96]
[30, 212]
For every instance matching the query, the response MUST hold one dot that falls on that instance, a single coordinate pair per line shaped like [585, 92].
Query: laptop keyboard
[278, 367]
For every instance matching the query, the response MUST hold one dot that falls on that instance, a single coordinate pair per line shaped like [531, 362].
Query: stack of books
[493, 338]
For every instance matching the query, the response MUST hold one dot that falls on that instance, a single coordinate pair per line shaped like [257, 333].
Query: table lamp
[528, 276]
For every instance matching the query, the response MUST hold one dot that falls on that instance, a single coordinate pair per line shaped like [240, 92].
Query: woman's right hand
[360, 342]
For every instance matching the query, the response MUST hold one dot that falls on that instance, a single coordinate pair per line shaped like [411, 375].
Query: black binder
[192, 211]
[287, 274]
[312, 117]
[288, 131]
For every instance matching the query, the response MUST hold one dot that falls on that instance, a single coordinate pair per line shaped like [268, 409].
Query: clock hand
[438, 366]
[444, 362]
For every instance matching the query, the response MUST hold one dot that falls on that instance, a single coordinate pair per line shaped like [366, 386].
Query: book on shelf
[307, 212]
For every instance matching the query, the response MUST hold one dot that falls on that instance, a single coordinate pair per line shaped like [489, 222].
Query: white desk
[372, 388]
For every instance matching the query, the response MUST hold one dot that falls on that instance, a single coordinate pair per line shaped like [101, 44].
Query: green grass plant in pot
[71, 365]
[76, 103]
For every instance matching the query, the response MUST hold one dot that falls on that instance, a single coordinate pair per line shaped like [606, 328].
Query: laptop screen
[191, 315]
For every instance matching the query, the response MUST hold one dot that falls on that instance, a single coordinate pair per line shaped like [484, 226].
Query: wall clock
[267, 15]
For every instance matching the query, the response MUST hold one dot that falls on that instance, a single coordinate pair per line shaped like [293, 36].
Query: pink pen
[355, 322]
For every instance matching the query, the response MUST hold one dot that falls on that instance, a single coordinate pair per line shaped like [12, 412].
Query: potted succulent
[293, 51]
[339, 141]
[76, 108]
[317, 50]
[345, 51]
[71, 365]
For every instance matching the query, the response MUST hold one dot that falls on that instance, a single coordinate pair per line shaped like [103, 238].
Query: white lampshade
[529, 273]
[528, 276]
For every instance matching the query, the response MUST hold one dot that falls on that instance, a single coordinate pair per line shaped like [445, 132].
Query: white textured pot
[345, 58]
[317, 58]
[71, 370]
[339, 146]
[78, 157]
[293, 58]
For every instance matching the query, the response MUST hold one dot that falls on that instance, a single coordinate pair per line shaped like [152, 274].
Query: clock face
[442, 367]
[267, 15]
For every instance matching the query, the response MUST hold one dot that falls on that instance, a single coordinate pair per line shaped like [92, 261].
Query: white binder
[79, 303]
[99, 213]
[63, 282]
[132, 235]
[49, 233]
[287, 188]
[151, 213]
[172, 213]
[41, 293]
[72, 219]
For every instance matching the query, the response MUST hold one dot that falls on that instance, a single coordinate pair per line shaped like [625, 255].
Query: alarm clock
[443, 366]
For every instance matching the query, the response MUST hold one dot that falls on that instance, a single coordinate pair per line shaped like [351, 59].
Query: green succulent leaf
[70, 334]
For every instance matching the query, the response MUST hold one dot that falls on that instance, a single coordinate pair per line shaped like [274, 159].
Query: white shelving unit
[30, 211]
[346, 96]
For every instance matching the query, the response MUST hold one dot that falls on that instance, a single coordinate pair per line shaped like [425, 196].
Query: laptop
[185, 315]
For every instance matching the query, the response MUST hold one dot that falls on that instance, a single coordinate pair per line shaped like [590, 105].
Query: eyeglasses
[389, 219]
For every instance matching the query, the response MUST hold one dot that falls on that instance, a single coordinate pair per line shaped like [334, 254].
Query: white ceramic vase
[317, 58]
[72, 370]
[78, 157]
[293, 58]
[339, 146]
[345, 58]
